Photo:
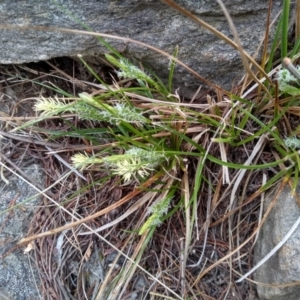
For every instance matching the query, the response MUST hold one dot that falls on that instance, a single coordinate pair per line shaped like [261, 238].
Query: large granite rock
[284, 266]
[149, 21]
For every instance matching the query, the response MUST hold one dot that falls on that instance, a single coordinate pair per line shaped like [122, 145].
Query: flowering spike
[285, 81]
[82, 161]
[292, 142]
[133, 163]
[158, 210]
[50, 106]
[130, 71]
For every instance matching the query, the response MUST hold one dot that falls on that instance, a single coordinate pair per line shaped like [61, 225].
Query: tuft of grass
[172, 174]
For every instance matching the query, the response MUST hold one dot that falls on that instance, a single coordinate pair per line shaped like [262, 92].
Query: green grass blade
[274, 45]
[172, 69]
[285, 29]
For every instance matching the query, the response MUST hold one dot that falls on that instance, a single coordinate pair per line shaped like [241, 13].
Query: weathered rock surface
[284, 266]
[18, 275]
[149, 21]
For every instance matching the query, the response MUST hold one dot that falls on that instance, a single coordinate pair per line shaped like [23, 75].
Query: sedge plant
[190, 148]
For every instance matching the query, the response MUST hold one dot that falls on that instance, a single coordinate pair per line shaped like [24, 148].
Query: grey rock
[149, 21]
[18, 277]
[284, 266]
